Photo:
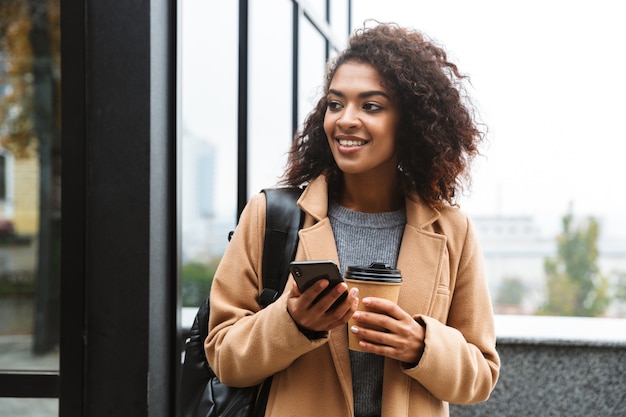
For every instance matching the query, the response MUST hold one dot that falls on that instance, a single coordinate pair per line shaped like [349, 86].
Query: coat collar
[314, 201]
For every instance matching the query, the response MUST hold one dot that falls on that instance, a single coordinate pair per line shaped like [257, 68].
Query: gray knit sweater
[361, 239]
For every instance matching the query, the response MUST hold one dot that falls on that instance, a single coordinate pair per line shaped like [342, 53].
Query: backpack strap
[283, 220]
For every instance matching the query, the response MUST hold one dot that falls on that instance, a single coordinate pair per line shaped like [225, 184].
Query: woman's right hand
[316, 316]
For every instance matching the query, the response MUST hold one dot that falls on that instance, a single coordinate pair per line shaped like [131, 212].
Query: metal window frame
[29, 384]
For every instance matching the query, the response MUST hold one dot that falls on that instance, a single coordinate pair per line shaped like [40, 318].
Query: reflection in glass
[208, 140]
[31, 407]
[30, 184]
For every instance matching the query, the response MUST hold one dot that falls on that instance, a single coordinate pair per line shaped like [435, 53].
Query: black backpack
[201, 392]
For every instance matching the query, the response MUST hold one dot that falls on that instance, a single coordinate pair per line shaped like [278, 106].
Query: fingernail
[354, 329]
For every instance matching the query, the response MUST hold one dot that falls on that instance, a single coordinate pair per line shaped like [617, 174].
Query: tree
[575, 285]
[197, 279]
[510, 292]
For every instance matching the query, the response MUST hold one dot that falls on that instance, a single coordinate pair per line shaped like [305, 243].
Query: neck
[372, 196]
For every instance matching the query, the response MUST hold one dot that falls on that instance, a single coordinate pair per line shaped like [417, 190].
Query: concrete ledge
[579, 331]
[557, 367]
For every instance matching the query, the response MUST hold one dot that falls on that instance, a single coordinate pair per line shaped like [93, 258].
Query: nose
[349, 118]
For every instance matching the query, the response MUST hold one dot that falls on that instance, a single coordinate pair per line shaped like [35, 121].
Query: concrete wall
[559, 377]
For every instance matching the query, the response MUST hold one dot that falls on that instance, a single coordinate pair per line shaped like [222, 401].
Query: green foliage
[197, 278]
[510, 292]
[575, 285]
[17, 283]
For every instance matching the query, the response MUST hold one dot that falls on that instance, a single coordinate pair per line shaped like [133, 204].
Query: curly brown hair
[437, 134]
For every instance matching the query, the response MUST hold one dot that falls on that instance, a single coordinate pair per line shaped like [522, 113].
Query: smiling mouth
[351, 142]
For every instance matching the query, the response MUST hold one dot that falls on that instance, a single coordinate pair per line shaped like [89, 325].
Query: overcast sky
[548, 80]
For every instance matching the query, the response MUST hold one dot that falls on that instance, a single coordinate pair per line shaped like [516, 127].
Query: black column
[119, 249]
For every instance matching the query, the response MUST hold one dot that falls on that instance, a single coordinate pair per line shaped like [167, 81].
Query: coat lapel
[318, 242]
[420, 259]
[420, 263]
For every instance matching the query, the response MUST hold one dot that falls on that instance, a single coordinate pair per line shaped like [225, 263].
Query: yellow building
[19, 192]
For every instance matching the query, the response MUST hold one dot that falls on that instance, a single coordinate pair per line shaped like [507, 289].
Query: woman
[383, 156]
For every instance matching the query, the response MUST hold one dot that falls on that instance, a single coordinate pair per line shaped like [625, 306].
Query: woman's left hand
[402, 338]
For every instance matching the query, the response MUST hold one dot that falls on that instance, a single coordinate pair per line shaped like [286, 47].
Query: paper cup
[376, 280]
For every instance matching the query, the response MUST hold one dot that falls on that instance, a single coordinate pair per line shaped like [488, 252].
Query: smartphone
[306, 273]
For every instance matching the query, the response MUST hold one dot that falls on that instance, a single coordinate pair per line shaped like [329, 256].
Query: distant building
[516, 248]
[204, 234]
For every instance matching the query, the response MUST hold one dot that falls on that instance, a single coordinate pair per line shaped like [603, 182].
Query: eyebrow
[364, 94]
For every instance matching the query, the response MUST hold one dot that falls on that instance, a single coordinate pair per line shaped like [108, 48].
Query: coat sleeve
[460, 363]
[246, 344]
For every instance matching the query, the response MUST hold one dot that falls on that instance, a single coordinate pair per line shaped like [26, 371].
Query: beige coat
[443, 284]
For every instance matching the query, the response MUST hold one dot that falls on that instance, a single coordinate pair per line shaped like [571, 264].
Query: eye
[371, 107]
[334, 105]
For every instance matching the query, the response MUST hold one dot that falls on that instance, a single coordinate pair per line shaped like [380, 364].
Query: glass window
[269, 102]
[36, 407]
[340, 19]
[208, 116]
[30, 206]
[312, 61]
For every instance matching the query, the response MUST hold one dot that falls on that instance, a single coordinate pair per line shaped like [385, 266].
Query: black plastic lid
[376, 271]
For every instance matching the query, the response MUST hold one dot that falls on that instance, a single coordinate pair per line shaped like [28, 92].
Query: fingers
[407, 350]
[387, 307]
[401, 339]
[295, 291]
[318, 310]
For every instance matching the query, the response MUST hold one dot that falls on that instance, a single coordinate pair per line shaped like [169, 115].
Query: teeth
[352, 142]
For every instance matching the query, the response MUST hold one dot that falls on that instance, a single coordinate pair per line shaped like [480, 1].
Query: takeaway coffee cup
[375, 280]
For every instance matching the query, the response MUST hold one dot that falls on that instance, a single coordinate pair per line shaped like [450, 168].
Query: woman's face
[361, 121]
